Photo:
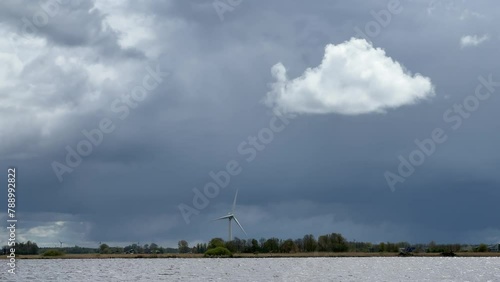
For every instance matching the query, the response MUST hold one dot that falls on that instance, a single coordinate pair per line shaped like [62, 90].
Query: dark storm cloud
[65, 23]
[323, 173]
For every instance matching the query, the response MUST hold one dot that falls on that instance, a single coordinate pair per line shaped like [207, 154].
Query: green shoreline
[246, 255]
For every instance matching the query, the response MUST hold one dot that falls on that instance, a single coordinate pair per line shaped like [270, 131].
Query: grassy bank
[246, 255]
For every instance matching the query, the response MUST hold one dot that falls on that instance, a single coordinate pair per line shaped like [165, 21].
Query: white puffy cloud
[472, 40]
[353, 78]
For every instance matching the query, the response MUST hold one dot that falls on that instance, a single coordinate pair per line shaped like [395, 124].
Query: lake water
[257, 269]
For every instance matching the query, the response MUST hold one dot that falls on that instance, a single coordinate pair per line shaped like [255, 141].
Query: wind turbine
[230, 216]
[60, 242]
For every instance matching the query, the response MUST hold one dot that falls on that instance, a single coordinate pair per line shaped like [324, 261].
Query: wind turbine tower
[230, 216]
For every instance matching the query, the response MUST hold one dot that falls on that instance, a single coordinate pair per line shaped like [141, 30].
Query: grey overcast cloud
[137, 121]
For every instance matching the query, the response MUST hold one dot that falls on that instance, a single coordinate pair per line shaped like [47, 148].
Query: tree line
[333, 242]
[152, 248]
[28, 248]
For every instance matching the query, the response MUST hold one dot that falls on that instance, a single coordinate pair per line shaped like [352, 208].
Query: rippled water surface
[257, 269]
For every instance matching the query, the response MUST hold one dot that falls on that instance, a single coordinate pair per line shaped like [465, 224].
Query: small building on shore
[494, 248]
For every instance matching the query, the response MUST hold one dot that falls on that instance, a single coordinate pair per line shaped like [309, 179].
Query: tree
[215, 242]
[240, 244]
[254, 246]
[262, 241]
[31, 248]
[231, 246]
[391, 247]
[288, 246]
[300, 244]
[138, 249]
[104, 249]
[271, 245]
[133, 249]
[332, 243]
[339, 243]
[432, 247]
[129, 249]
[28, 248]
[218, 252]
[200, 248]
[310, 244]
[482, 248]
[146, 249]
[235, 246]
[381, 247]
[183, 247]
[154, 248]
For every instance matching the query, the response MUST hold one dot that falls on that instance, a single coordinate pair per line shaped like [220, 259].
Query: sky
[137, 121]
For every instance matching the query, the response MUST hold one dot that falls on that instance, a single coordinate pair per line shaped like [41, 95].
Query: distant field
[245, 255]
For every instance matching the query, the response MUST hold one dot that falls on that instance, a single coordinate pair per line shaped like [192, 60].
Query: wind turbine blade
[222, 217]
[234, 202]
[237, 222]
